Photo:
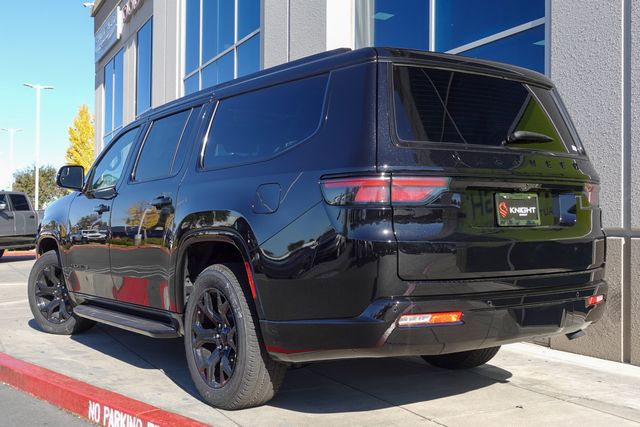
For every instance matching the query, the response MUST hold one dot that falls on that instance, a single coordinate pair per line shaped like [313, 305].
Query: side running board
[140, 325]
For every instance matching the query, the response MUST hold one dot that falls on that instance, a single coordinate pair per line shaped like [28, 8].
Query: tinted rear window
[161, 146]
[445, 106]
[260, 124]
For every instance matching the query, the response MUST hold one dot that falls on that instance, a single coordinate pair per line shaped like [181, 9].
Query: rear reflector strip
[450, 317]
[595, 300]
[382, 190]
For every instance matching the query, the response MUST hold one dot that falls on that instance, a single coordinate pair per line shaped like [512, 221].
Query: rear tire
[463, 359]
[1, 252]
[227, 361]
[49, 300]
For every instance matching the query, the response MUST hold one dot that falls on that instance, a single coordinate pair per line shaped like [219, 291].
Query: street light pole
[12, 133]
[38, 88]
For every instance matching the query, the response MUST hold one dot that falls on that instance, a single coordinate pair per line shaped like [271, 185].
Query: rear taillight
[357, 191]
[416, 189]
[592, 193]
[383, 190]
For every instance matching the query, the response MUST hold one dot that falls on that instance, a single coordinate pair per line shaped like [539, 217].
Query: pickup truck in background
[18, 222]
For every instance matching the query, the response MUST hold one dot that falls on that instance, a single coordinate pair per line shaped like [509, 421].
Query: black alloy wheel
[227, 360]
[49, 298]
[52, 298]
[214, 339]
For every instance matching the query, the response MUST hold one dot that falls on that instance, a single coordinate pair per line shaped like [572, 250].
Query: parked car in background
[18, 222]
[368, 203]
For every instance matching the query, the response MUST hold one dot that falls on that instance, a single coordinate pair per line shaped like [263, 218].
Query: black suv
[368, 203]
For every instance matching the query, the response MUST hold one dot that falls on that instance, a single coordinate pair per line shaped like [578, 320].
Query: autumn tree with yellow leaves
[81, 138]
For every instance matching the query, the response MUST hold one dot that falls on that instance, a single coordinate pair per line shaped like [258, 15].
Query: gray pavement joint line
[563, 399]
[379, 398]
[158, 368]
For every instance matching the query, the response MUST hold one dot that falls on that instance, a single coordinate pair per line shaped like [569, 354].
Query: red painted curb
[95, 404]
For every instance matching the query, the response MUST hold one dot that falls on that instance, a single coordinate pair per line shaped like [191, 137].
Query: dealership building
[150, 52]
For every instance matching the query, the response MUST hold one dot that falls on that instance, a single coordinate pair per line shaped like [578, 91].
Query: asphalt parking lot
[524, 385]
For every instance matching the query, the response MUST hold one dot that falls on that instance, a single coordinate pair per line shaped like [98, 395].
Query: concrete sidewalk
[524, 385]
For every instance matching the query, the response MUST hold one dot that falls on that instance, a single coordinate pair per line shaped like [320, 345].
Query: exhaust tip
[576, 334]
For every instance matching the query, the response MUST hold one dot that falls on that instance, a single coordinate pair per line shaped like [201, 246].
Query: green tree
[81, 139]
[23, 180]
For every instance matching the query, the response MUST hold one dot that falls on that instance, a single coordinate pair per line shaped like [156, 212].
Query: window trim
[321, 120]
[132, 176]
[453, 146]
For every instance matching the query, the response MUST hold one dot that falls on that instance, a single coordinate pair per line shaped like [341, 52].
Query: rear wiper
[526, 137]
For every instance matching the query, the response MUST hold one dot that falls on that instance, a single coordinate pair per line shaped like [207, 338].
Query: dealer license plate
[517, 209]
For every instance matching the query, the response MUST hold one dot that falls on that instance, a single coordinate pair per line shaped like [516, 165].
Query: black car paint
[327, 277]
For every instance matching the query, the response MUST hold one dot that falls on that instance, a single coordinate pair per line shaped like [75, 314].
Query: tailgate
[460, 236]
[520, 194]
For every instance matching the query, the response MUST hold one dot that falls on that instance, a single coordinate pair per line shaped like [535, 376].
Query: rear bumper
[488, 320]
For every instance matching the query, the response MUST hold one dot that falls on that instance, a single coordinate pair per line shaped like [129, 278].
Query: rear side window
[260, 124]
[163, 149]
[446, 106]
[19, 202]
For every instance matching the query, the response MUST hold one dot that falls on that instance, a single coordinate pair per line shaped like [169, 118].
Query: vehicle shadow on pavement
[317, 388]
[13, 258]
[370, 384]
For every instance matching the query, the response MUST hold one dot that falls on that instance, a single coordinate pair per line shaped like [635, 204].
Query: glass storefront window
[229, 31]
[192, 36]
[525, 49]
[191, 84]
[500, 30]
[248, 17]
[113, 95]
[143, 69]
[249, 56]
[219, 71]
[217, 27]
[402, 23]
[459, 22]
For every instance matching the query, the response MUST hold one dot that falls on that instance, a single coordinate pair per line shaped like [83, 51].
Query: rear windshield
[446, 106]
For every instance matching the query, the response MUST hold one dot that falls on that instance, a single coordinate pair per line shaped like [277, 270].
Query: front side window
[108, 171]
[113, 96]
[19, 202]
[258, 125]
[442, 106]
[143, 83]
[161, 147]
[222, 41]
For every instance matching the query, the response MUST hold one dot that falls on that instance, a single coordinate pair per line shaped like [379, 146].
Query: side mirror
[3, 206]
[71, 177]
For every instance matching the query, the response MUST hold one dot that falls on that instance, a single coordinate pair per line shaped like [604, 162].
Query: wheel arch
[208, 247]
[47, 243]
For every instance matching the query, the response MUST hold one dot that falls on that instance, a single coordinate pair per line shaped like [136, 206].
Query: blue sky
[47, 42]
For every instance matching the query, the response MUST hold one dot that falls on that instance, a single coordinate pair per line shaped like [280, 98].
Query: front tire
[463, 359]
[228, 364]
[1, 252]
[49, 300]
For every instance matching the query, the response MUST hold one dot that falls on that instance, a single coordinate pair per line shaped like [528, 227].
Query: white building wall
[595, 62]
